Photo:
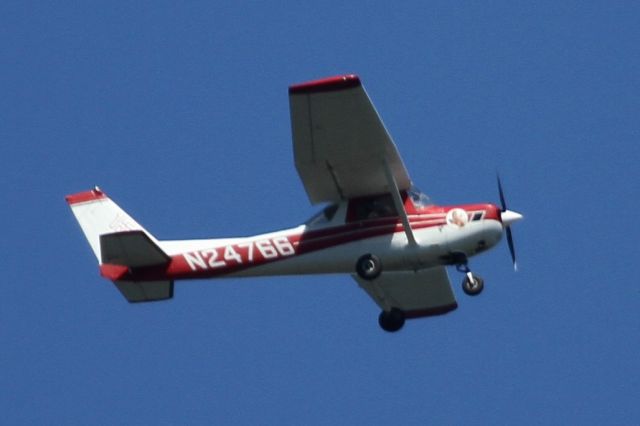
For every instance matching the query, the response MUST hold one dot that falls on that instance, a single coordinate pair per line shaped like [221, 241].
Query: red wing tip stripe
[83, 197]
[326, 84]
[438, 310]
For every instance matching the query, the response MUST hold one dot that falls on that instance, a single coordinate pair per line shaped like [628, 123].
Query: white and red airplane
[376, 225]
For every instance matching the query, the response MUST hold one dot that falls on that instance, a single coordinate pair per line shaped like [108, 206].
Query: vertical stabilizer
[97, 214]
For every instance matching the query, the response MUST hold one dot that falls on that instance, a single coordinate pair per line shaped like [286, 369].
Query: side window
[371, 208]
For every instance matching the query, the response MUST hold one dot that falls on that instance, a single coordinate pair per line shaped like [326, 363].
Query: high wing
[341, 147]
[418, 293]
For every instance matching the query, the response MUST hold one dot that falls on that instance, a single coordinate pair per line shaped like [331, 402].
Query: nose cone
[509, 217]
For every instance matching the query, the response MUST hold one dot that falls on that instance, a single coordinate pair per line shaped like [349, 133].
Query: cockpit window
[419, 198]
[372, 207]
[323, 216]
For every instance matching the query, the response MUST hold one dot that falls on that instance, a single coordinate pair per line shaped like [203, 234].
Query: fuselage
[332, 241]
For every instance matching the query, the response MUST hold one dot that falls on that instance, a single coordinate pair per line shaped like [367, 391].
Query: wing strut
[397, 201]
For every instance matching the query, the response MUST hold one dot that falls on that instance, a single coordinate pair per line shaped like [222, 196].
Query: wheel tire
[392, 320]
[369, 267]
[473, 288]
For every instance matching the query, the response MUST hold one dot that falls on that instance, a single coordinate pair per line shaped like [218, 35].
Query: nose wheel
[472, 284]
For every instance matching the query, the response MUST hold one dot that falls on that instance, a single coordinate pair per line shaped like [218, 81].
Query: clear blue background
[179, 111]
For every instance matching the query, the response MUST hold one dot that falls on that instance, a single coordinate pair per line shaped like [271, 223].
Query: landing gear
[392, 320]
[369, 267]
[471, 284]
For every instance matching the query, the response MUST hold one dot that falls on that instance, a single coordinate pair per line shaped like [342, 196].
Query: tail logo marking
[121, 223]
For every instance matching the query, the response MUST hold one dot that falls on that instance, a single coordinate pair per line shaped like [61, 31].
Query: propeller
[508, 217]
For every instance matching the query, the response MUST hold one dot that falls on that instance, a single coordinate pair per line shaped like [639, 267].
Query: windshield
[419, 198]
[323, 216]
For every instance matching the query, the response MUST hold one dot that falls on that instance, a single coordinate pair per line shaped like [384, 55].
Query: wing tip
[429, 312]
[327, 84]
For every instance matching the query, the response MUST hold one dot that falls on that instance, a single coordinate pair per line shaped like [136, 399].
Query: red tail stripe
[83, 197]
[326, 84]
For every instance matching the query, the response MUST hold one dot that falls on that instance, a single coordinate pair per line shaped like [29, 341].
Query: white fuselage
[335, 245]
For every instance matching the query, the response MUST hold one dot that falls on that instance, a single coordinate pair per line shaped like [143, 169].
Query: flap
[418, 293]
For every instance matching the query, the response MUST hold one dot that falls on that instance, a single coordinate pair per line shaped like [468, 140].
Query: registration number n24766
[239, 254]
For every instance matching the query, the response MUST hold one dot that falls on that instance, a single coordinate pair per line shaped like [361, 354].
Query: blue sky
[180, 113]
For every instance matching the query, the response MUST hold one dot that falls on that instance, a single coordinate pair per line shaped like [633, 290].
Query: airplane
[374, 224]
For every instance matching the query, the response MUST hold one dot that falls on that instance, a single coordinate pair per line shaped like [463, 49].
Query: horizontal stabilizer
[131, 248]
[145, 291]
[123, 251]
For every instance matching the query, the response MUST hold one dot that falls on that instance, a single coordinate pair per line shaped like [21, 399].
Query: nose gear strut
[471, 284]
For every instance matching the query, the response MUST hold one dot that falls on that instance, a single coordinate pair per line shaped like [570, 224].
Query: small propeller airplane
[375, 225]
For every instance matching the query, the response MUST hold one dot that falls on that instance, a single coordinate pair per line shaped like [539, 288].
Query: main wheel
[473, 287]
[392, 320]
[368, 267]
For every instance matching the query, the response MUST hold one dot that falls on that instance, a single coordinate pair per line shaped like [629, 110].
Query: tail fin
[97, 215]
[120, 245]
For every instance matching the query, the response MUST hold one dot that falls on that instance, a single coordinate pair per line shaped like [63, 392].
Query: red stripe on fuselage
[321, 239]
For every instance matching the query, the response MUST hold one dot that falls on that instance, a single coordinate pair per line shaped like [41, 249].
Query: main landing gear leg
[471, 284]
